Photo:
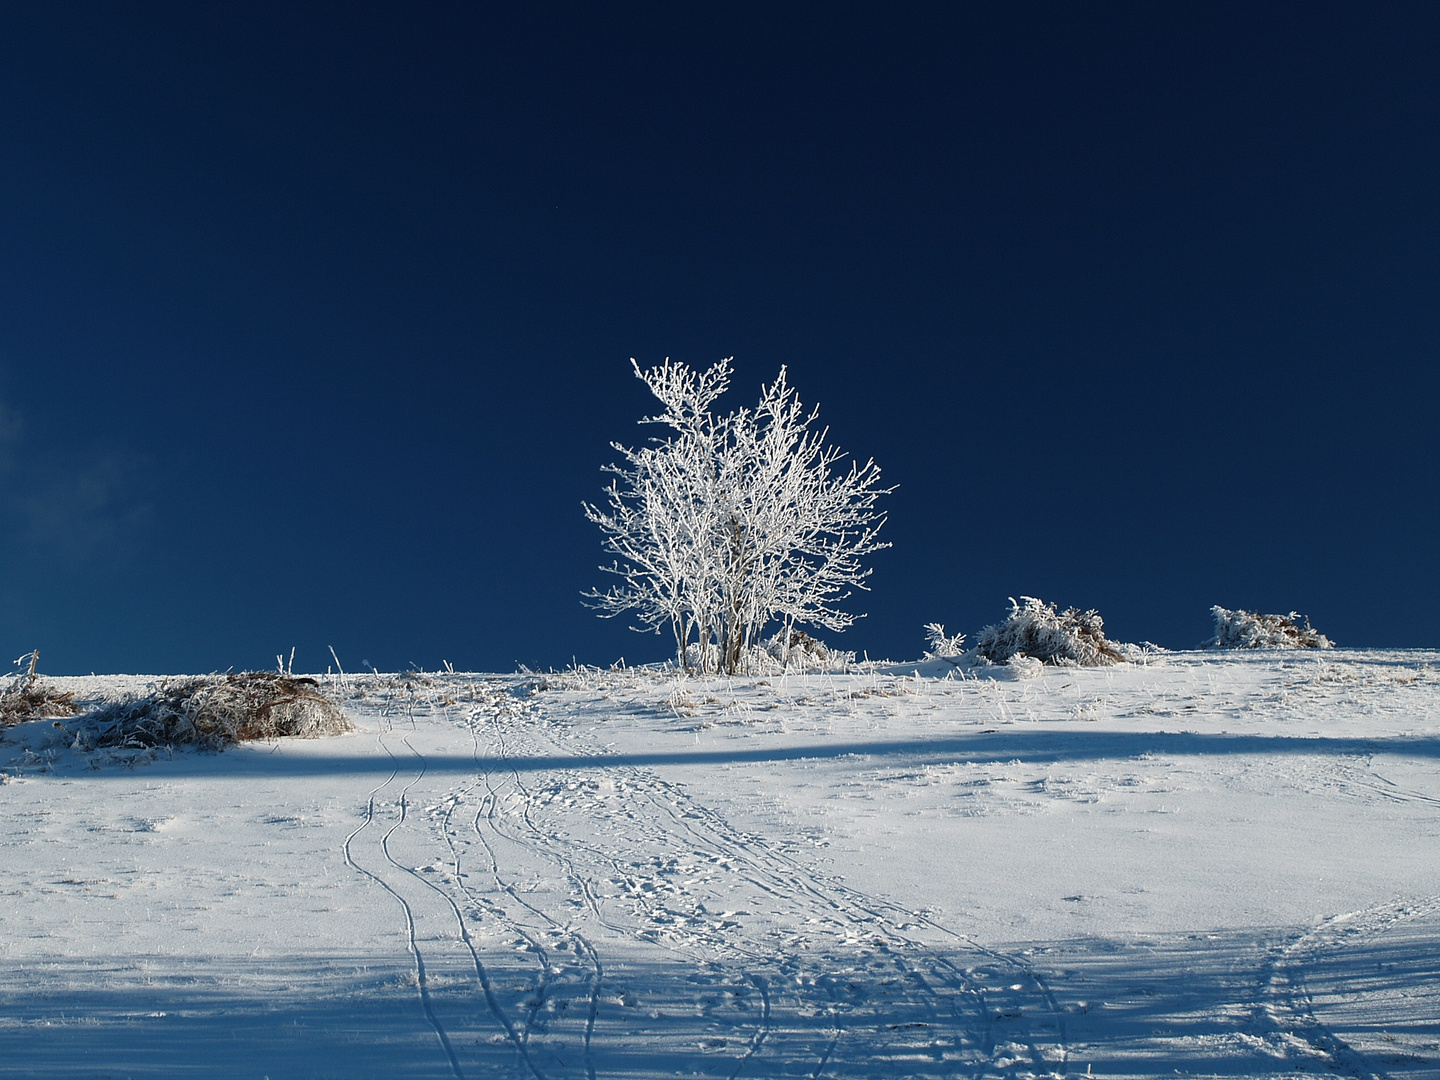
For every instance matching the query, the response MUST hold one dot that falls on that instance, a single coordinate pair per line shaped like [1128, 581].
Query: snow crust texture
[1212, 864]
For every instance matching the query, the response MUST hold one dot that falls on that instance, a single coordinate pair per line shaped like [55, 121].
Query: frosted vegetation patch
[797, 651]
[942, 646]
[214, 710]
[1254, 630]
[792, 651]
[1036, 630]
[27, 696]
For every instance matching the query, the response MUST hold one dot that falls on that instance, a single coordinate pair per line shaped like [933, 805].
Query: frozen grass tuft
[28, 697]
[1035, 629]
[1253, 630]
[214, 710]
[942, 646]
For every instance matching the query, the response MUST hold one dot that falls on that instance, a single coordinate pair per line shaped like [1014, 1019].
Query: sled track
[1373, 782]
[516, 1035]
[841, 983]
[541, 840]
[761, 1032]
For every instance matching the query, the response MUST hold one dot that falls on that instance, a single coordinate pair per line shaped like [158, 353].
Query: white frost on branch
[728, 524]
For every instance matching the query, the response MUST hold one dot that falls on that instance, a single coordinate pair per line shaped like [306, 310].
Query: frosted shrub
[804, 655]
[27, 696]
[1253, 630]
[1035, 629]
[212, 710]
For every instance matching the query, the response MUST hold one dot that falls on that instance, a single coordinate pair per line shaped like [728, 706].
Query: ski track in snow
[387, 882]
[830, 959]
[942, 995]
[570, 908]
[1298, 993]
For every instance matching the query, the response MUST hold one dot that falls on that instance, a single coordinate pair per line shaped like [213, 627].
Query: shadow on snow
[1041, 747]
[1235, 1004]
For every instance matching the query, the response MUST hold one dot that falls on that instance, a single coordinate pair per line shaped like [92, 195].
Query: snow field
[1205, 865]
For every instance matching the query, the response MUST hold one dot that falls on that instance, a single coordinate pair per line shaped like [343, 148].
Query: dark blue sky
[315, 320]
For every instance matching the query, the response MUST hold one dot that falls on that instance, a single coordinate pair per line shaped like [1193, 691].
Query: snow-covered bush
[731, 524]
[941, 645]
[1253, 630]
[804, 655]
[212, 710]
[1035, 629]
[1025, 667]
[27, 697]
[797, 651]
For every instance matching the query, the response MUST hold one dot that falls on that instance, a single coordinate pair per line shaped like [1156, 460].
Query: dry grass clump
[213, 710]
[1254, 630]
[29, 697]
[1036, 630]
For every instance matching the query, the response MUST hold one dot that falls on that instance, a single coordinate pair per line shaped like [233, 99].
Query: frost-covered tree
[727, 524]
[659, 508]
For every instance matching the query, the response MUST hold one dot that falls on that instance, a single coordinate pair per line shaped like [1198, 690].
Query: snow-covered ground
[1219, 865]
